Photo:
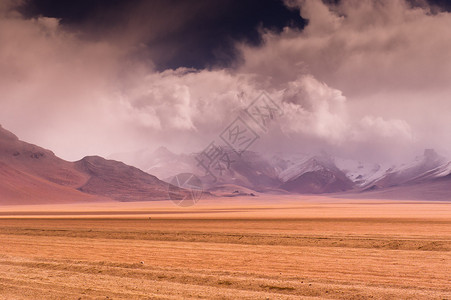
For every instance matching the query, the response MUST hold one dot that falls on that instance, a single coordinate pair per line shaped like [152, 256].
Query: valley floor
[228, 249]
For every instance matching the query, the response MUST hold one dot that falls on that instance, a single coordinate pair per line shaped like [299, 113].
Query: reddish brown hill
[33, 175]
[37, 161]
[19, 187]
[119, 181]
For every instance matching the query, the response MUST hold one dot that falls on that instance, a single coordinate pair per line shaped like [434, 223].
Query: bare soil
[289, 250]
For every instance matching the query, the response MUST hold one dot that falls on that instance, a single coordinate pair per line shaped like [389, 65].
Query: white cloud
[313, 108]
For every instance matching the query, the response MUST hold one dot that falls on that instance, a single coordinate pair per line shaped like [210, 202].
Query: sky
[361, 79]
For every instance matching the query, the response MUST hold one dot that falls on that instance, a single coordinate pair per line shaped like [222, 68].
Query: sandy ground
[266, 248]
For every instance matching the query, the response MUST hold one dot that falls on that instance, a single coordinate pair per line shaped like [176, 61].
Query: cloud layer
[367, 79]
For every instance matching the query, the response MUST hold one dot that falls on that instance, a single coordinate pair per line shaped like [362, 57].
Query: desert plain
[266, 247]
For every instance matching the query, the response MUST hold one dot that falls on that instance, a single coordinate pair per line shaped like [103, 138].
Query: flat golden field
[269, 247]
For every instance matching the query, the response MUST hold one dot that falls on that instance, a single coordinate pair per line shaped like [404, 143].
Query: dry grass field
[310, 248]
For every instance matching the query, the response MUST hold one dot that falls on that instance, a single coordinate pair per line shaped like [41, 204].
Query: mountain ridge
[30, 174]
[314, 174]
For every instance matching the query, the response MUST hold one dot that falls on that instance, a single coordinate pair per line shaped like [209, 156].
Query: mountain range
[30, 174]
[427, 177]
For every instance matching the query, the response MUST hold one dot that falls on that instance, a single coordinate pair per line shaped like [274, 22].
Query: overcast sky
[360, 78]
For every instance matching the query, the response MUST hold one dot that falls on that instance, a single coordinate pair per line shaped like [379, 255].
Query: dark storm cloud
[171, 33]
